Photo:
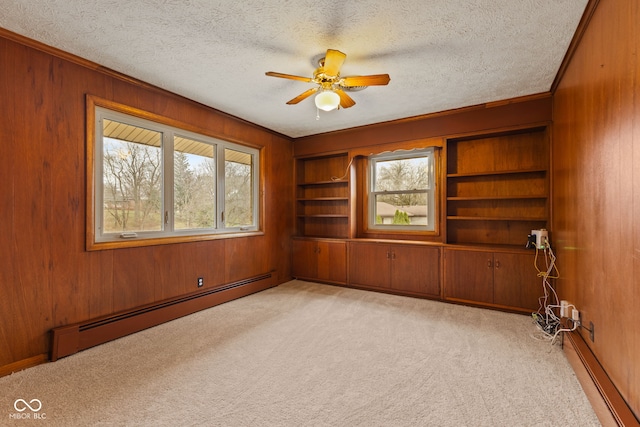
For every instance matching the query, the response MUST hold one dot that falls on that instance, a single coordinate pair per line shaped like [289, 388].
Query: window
[152, 180]
[402, 191]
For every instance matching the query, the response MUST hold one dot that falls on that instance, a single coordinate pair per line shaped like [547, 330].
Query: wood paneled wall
[47, 279]
[527, 111]
[596, 189]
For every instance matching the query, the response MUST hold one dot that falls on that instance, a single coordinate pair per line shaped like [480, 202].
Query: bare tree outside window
[132, 186]
[397, 175]
[401, 192]
[194, 180]
[152, 180]
[238, 189]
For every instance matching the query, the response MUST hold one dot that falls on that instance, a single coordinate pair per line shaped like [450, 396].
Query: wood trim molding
[92, 102]
[23, 364]
[607, 402]
[575, 41]
[523, 112]
[415, 144]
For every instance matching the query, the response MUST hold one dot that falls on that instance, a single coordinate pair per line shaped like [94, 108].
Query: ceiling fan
[330, 85]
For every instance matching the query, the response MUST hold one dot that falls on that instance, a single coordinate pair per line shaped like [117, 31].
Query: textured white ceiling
[440, 54]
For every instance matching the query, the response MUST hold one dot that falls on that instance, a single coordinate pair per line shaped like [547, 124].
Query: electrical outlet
[200, 282]
[591, 332]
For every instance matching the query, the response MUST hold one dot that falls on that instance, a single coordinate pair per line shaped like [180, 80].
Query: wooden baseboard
[69, 339]
[608, 404]
[23, 364]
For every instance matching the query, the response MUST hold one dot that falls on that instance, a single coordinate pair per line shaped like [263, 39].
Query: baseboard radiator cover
[607, 402]
[70, 339]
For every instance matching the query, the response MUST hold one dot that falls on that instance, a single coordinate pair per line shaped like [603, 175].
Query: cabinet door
[332, 261]
[415, 269]
[369, 264]
[305, 259]
[516, 283]
[469, 275]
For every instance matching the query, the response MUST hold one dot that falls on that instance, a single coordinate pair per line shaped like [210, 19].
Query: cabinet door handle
[497, 264]
[393, 255]
[489, 263]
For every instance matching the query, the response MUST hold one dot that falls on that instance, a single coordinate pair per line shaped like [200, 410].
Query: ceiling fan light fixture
[330, 87]
[327, 100]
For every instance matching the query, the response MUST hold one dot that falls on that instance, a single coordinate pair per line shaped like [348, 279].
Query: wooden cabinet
[322, 196]
[497, 188]
[405, 268]
[322, 210]
[321, 260]
[369, 264]
[500, 278]
[415, 269]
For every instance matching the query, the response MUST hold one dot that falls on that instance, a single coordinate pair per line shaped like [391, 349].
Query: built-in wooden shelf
[322, 201]
[498, 172]
[323, 216]
[488, 218]
[497, 187]
[473, 198]
[332, 182]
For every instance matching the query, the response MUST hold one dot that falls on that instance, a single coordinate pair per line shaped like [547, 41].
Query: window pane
[405, 174]
[402, 195]
[238, 198]
[132, 178]
[153, 181]
[194, 185]
[401, 209]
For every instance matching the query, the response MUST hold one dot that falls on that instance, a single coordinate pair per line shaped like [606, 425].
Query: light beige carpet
[305, 354]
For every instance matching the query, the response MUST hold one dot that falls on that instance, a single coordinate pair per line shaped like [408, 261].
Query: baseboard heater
[70, 339]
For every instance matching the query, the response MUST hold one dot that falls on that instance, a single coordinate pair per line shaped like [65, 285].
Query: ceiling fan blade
[303, 95]
[345, 100]
[333, 62]
[288, 76]
[372, 80]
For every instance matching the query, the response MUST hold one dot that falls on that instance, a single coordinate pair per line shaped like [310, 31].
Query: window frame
[99, 109]
[433, 214]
